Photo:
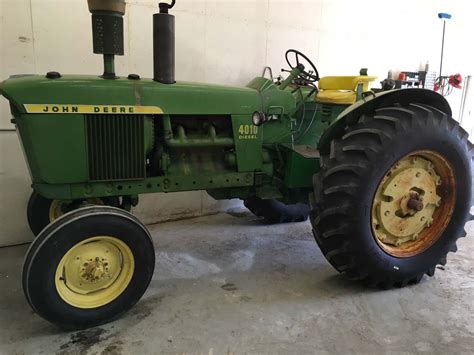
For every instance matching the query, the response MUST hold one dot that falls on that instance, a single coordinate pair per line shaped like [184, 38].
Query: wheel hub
[406, 201]
[94, 272]
[411, 203]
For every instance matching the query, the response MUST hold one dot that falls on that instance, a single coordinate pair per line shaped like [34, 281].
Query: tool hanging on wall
[446, 84]
[442, 83]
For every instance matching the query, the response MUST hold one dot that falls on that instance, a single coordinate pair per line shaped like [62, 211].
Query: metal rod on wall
[442, 50]
[443, 16]
[465, 95]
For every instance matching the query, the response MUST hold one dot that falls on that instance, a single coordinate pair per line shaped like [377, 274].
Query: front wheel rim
[94, 272]
[58, 207]
[413, 203]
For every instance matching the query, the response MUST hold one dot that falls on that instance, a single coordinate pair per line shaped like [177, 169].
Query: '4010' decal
[248, 131]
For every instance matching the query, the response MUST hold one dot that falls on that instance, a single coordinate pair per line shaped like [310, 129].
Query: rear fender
[382, 99]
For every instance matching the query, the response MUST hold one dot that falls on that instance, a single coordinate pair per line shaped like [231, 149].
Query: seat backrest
[345, 82]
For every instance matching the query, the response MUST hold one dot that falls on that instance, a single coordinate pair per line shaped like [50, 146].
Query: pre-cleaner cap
[107, 5]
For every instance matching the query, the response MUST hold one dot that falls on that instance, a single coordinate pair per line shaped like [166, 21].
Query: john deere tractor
[384, 177]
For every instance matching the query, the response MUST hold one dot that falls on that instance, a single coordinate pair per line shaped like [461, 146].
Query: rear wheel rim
[94, 272]
[413, 203]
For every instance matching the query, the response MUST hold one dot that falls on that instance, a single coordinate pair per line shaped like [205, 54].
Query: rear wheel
[395, 193]
[274, 211]
[88, 267]
[41, 210]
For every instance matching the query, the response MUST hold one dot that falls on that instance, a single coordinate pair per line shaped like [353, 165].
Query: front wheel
[88, 267]
[41, 210]
[395, 194]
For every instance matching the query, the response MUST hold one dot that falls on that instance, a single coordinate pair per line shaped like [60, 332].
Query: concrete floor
[227, 284]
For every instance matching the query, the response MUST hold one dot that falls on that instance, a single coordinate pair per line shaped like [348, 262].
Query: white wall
[222, 41]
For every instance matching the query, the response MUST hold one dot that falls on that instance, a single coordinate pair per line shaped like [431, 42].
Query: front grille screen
[115, 145]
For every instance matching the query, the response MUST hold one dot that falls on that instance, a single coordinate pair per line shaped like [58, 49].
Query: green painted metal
[306, 166]
[274, 101]
[109, 63]
[248, 143]
[180, 98]
[182, 141]
[293, 74]
[55, 147]
[195, 136]
[170, 183]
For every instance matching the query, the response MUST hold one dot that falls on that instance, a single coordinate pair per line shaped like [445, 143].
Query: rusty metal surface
[413, 203]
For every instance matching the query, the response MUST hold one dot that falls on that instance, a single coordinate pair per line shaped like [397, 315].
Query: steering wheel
[310, 76]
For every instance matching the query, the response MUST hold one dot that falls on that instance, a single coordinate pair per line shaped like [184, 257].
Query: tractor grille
[115, 145]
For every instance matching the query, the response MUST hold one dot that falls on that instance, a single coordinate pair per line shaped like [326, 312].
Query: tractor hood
[34, 94]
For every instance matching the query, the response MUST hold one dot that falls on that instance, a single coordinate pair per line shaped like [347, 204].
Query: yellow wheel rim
[94, 272]
[55, 210]
[413, 203]
[57, 207]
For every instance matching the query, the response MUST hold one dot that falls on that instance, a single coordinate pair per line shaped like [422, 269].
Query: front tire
[41, 210]
[88, 267]
[365, 228]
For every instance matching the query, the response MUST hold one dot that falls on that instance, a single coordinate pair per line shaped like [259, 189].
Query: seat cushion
[336, 97]
[345, 82]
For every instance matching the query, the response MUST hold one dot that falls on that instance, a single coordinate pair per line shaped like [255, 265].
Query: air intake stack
[164, 45]
[107, 31]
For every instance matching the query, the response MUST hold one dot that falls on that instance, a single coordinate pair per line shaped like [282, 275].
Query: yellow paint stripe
[91, 109]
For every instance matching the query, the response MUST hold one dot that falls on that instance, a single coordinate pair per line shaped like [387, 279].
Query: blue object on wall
[444, 16]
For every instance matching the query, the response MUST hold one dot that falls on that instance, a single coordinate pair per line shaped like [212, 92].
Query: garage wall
[222, 41]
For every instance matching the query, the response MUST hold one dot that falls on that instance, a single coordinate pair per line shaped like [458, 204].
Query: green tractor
[385, 177]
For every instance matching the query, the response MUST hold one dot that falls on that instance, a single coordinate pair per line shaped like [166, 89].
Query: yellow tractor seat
[342, 90]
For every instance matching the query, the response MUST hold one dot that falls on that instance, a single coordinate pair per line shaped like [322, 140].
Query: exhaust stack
[164, 45]
[107, 31]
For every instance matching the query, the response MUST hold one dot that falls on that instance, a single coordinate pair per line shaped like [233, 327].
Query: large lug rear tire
[41, 210]
[393, 195]
[88, 267]
[273, 211]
